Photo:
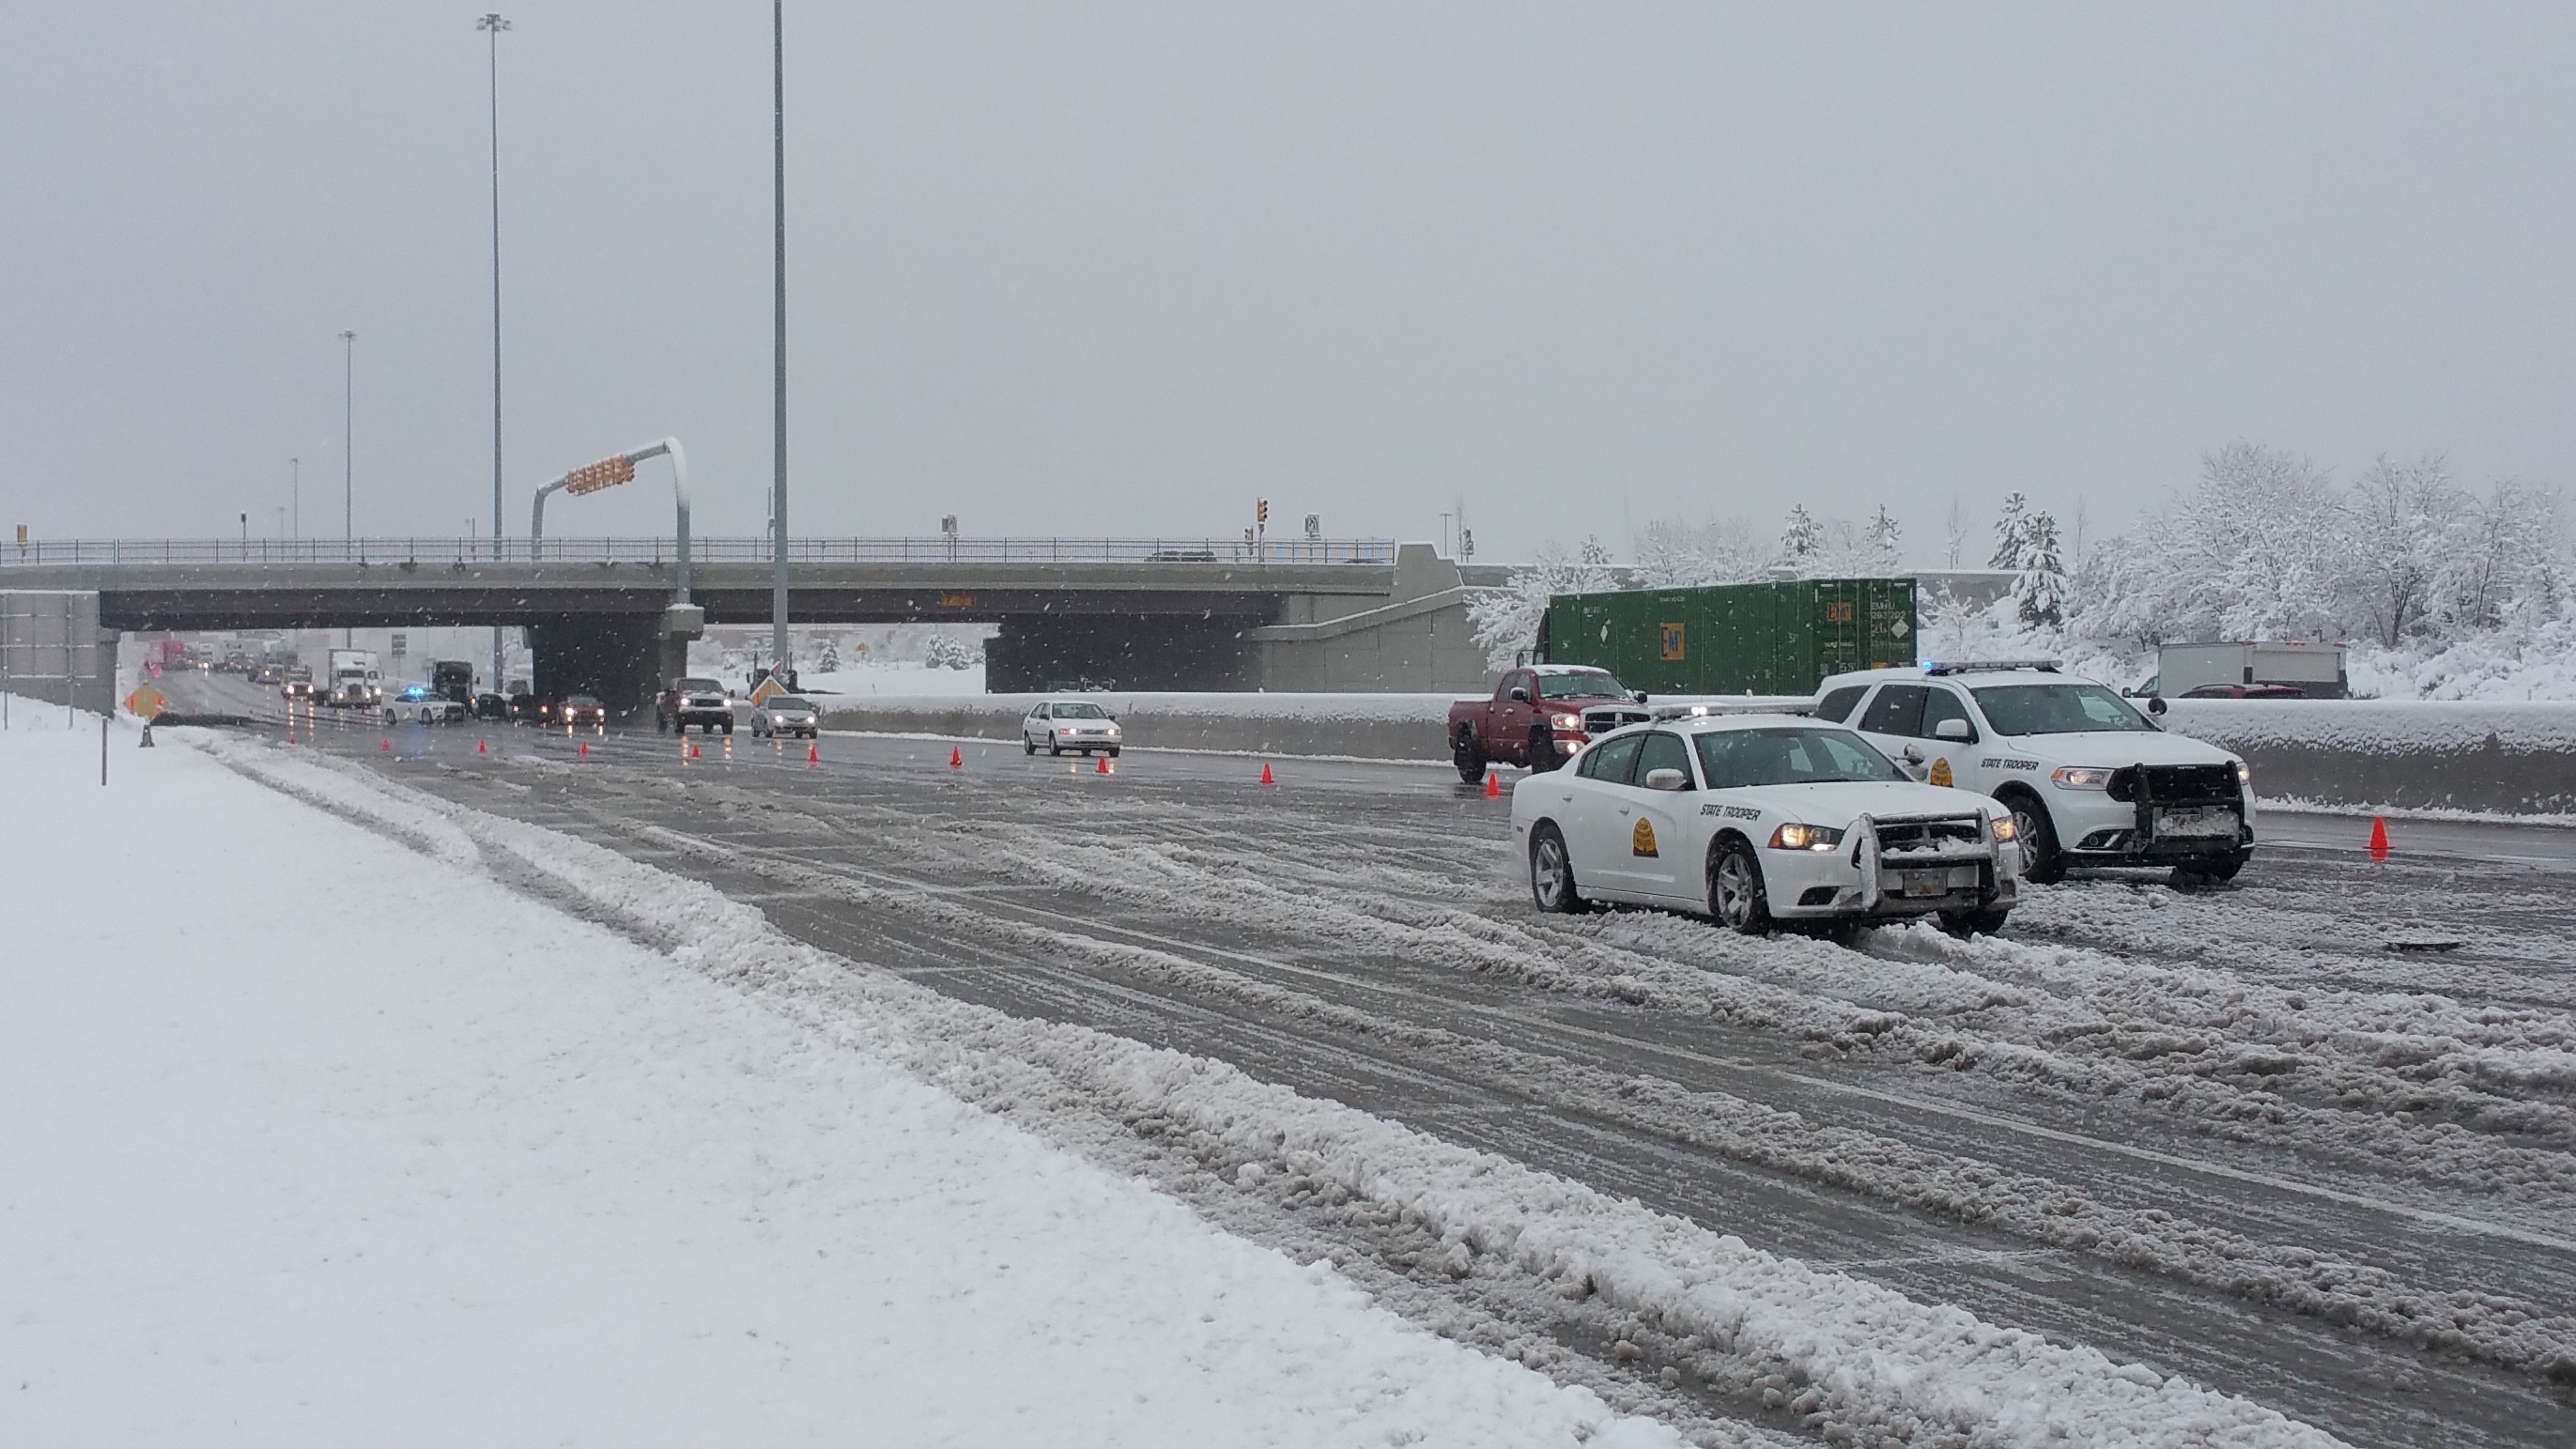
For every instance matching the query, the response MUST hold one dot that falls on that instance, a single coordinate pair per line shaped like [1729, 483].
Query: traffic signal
[1261, 510]
[606, 473]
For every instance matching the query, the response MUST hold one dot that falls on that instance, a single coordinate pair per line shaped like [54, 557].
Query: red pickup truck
[1540, 714]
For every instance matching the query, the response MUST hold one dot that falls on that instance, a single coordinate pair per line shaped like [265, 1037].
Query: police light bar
[1990, 666]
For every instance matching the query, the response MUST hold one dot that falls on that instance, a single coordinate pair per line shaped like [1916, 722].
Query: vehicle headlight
[2244, 773]
[1805, 837]
[1568, 721]
[2004, 827]
[2082, 777]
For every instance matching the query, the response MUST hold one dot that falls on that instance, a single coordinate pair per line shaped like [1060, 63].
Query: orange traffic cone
[384, 744]
[1265, 772]
[955, 760]
[2378, 838]
[693, 749]
[584, 751]
[1100, 764]
[810, 755]
[478, 747]
[1493, 787]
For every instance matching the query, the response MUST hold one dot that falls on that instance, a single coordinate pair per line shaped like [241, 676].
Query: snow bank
[1854, 1361]
[2377, 726]
[317, 1138]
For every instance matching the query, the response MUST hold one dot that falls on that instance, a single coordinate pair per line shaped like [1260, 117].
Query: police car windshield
[1578, 684]
[1735, 759]
[788, 703]
[1080, 711]
[2057, 709]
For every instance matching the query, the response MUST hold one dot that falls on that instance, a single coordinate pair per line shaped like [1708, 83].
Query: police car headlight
[2244, 773]
[2082, 777]
[1805, 837]
[2004, 827]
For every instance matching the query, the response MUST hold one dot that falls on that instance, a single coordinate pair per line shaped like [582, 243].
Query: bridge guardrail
[939, 549]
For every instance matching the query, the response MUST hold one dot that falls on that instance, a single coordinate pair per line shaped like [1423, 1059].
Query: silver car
[1070, 724]
[785, 714]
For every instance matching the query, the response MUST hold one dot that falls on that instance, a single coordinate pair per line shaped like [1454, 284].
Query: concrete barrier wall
[2518, 759]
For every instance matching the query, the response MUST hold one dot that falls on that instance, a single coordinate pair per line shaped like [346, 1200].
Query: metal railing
[939, 549]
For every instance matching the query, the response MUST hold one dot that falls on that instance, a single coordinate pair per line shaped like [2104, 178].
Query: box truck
[2314, 670]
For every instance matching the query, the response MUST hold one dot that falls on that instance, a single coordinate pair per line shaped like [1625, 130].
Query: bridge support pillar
[1036, 652]
[617, 657]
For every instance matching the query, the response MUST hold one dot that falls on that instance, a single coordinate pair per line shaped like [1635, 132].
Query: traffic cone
[2378, 838]
[810, 755]
[478, 747]
[384, 744]
[1265, 772]
[584, 751]
[693, 749]
[955, 760]
[1493, 787]
[1100, 764]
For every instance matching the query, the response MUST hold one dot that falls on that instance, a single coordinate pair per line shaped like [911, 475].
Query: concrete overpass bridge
[1151, 613]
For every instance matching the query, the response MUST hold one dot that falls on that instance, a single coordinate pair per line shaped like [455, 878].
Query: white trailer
[355, 681]
[2315, 670]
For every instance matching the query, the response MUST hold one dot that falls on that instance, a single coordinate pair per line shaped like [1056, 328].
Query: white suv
[2091, 781]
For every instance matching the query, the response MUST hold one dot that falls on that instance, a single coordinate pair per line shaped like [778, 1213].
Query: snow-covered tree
[1673, 554]
[1803, 539]
[2040, 586]
[1506, 620]
[2012, 534]
[1885, 556]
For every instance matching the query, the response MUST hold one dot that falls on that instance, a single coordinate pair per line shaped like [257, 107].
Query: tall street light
[348, 436]
[492, 25]
[295, 467]
[778, 479]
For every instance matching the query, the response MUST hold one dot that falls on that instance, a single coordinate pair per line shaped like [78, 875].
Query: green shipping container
[1769, 638]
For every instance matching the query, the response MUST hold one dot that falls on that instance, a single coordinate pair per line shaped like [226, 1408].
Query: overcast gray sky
[1083, 269]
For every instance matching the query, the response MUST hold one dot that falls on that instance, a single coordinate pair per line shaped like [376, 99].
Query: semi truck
[1766, 638]
[356, 682]
[2314, 670]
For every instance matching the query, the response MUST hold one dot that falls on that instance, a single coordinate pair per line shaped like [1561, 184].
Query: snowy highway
[2309, 1139]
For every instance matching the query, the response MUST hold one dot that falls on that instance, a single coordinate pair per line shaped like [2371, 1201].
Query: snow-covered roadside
[316, 1139]
[1850, 1356]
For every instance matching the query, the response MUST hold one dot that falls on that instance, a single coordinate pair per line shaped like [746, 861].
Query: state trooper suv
[2090, 780]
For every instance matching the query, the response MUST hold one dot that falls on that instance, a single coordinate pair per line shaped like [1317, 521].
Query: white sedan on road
[1760, 819]
[1070, 724]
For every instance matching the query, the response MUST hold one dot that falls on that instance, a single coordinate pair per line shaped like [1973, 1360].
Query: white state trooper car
[2090, 780]
[1761, 818]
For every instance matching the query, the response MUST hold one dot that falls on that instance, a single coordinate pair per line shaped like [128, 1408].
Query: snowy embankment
[315, 1137]
[1855, 1361]
[2512, 757]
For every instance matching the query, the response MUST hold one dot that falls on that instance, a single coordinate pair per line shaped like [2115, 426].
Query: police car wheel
[1552, 873]
[2042, 862]
[1964, 924]
[1027, 746]
[1735, 892]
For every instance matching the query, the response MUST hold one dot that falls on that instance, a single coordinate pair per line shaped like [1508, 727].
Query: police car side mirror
[1953, 729]
[1520, 694]
[1666, 778]
[1638, 695]
[2155, 704]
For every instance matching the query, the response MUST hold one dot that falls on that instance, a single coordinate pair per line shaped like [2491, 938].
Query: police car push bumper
[1938, 863]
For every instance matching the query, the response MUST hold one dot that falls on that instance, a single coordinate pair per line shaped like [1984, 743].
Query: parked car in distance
[786, 714]
[582, 711]
[298, 683]
[2243, 691]
[1539, 715]
[525, 707]
[1757, 819]
[695, 700]
[488, 705]
[1070, 724]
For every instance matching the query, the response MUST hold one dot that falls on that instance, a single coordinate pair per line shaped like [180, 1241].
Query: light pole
[348, 437]
[295, 467]
[492, 25]
[348, 458]
[778, 480]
